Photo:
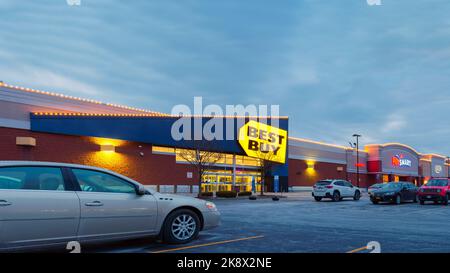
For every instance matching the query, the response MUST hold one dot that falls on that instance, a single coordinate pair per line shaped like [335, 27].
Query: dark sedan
[395, 192]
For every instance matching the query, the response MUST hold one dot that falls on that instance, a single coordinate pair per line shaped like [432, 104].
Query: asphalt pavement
[298, 224]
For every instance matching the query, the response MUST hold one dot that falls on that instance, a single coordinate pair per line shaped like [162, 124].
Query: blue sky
[335, 67]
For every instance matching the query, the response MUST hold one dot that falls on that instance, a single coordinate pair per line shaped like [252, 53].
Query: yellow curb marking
[208, 244]
[358, 250]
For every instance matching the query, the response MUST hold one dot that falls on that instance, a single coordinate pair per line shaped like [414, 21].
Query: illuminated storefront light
[108, 148]
[311, 168]
[310, 164]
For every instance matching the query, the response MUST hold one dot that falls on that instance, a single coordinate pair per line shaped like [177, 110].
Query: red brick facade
[136, 160]
[301, 175]
[149, 169]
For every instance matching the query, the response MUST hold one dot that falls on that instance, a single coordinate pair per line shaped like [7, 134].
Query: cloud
[394, 124]
[48, 80]
[336, 69]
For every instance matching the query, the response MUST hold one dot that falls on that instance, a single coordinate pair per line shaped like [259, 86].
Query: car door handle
[94, 204]
[4, 203]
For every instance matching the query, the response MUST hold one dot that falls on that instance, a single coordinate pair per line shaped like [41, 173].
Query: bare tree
[201, 156]
[266, 163]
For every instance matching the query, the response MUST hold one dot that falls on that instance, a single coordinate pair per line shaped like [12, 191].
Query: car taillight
[329, 187]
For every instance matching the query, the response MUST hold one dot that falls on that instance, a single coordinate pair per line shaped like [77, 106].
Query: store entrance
[222, 180]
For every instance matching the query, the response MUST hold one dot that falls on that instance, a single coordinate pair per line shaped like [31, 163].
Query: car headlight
[390, 193]
[211, 205]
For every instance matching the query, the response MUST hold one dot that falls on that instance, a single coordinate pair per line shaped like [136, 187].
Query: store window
[222, 180]
[220, 177]
[184, 155]
[163, 150]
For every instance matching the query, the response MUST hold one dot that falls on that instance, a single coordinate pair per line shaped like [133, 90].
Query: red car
[437, 190]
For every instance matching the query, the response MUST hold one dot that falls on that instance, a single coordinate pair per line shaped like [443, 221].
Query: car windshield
[323, 183]
[391, 186]
[437, 183]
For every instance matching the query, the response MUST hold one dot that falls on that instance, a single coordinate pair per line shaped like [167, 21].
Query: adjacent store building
[44, 126]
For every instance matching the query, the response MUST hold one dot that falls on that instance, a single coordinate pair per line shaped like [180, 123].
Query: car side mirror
[141, 190]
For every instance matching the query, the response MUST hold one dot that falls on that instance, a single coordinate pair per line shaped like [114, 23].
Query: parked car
[336, 190]
[54, 203]
[437, 190]
[374, 187]
[395, 192]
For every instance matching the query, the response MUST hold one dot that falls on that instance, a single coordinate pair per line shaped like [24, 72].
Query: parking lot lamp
[357, 136]
[448, 166]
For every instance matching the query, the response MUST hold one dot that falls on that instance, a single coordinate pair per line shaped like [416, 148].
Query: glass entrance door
[222, 180]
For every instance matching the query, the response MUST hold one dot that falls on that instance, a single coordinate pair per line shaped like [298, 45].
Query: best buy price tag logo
[263, 141]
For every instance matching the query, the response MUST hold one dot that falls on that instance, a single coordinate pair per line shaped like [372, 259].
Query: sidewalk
[266, 195]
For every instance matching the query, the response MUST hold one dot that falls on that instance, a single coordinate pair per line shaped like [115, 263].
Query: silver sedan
[46, 204]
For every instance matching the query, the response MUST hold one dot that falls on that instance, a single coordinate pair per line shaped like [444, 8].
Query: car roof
[45, 163]
[331, 180]
[18, 163]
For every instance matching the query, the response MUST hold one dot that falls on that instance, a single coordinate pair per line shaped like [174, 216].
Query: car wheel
[375, 202]
[445, 201]
[336, 196]
[357, 196]
[181, 227]
[318, 199]
[398, 199]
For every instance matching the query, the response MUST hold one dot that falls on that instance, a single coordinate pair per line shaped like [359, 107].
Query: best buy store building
[44, 126]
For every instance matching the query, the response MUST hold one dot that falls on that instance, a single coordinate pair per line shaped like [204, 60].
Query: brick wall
[149, 169]
[300, 175]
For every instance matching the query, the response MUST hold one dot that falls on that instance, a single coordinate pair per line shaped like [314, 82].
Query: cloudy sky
[335, 67]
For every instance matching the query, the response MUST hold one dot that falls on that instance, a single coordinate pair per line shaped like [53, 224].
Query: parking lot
[299, 224]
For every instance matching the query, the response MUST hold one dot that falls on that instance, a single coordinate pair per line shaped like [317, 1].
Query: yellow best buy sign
[263, 141]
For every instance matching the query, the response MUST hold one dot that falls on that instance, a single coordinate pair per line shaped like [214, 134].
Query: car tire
[375, 202]
[445, 201]
[181, 227]
[318, 199]
[398, 199]
[336, 196]
[357, 196]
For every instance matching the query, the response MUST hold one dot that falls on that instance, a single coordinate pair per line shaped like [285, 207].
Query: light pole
[357, 158]
[448, 166]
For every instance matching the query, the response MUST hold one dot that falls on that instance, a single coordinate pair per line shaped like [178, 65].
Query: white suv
[336, 190]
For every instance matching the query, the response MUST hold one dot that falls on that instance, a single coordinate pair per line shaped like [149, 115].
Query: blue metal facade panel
[152, 130]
